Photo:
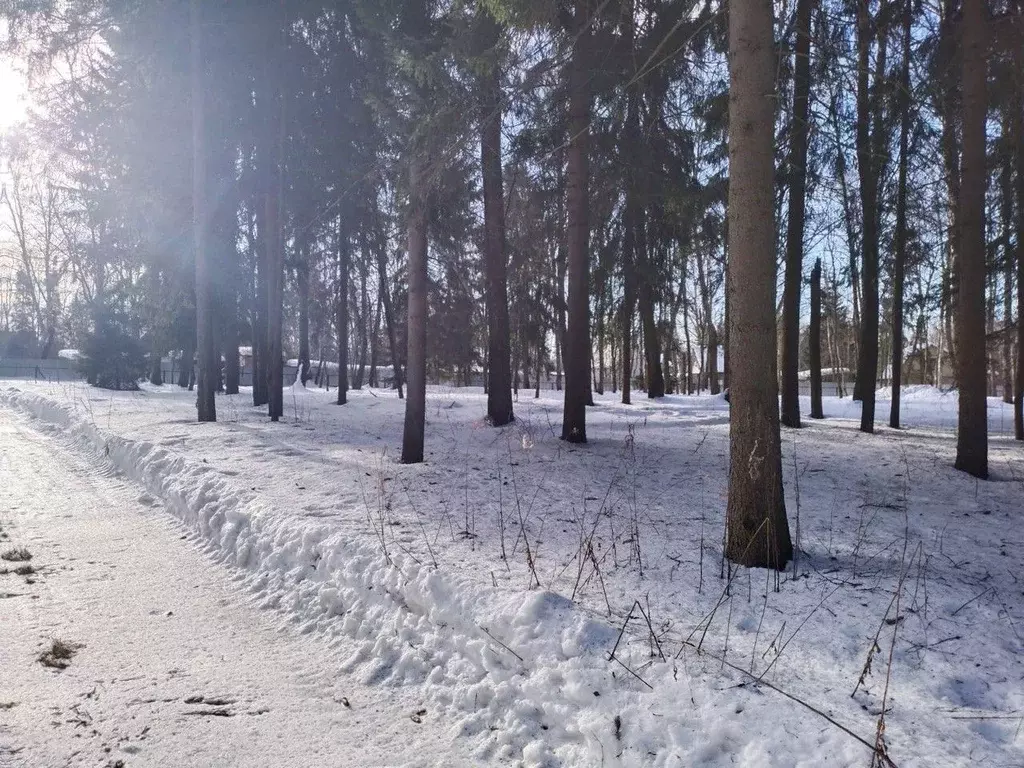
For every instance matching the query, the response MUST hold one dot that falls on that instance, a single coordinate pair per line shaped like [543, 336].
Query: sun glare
[12, 95]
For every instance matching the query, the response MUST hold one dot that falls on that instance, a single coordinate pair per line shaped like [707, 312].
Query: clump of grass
[16, 555]
[8, 705]
[26, 570]
[58, 655]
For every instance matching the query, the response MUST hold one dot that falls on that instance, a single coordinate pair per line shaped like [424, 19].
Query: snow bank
[522, 674]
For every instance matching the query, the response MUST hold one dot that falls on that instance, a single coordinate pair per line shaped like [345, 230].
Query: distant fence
[51, 369]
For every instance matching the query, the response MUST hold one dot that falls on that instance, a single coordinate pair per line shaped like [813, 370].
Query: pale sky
[12, 94]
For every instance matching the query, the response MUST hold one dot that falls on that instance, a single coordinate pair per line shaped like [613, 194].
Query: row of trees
[531, 185]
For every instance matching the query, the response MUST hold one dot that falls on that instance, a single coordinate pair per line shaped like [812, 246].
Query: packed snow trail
[172, 667]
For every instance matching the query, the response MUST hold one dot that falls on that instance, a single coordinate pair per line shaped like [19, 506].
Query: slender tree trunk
[364, 315]
[711, 365]
[205, 401]
[342, 312]
[275, 273]
[629, 296]
[416, 351]
[389, 317]
[230, 287]
[259, 305]
[187, 365]
[540, 368]
[232, 372]
[795, 231]
[499, 372]
[686, 329]
[302, 284]
[949, 40]
[577, 351]
[1007, 314]
[972, 426]
[869, 107]
[814, 342]
[900, 259]
[713, 384]
[156, 370]
[652, 346]
[757, 528]
[375, 343]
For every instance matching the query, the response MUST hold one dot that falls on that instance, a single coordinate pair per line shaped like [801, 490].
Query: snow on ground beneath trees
[566, 605]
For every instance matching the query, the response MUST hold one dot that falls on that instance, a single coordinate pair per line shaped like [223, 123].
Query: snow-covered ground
[566, 605]
[170, 667]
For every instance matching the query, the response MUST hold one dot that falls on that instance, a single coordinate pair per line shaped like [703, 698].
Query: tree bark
[577, 342]
[499, 371]
[972, 424]
[1018, 138]
[900, 257]
[208, 368]
[757, 528]
[795, 227]
[416, 350]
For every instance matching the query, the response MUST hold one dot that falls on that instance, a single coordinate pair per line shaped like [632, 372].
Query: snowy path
[159, 623]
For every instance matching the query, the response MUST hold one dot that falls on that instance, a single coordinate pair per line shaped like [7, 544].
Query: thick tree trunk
[900, 257]
[499, 372]
[972, 425]
[342, 313]
[208, 368]
[795, 230]
[577, 342]
[416, 350]
[1017, 131]
[814, 342]
[757, 528]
